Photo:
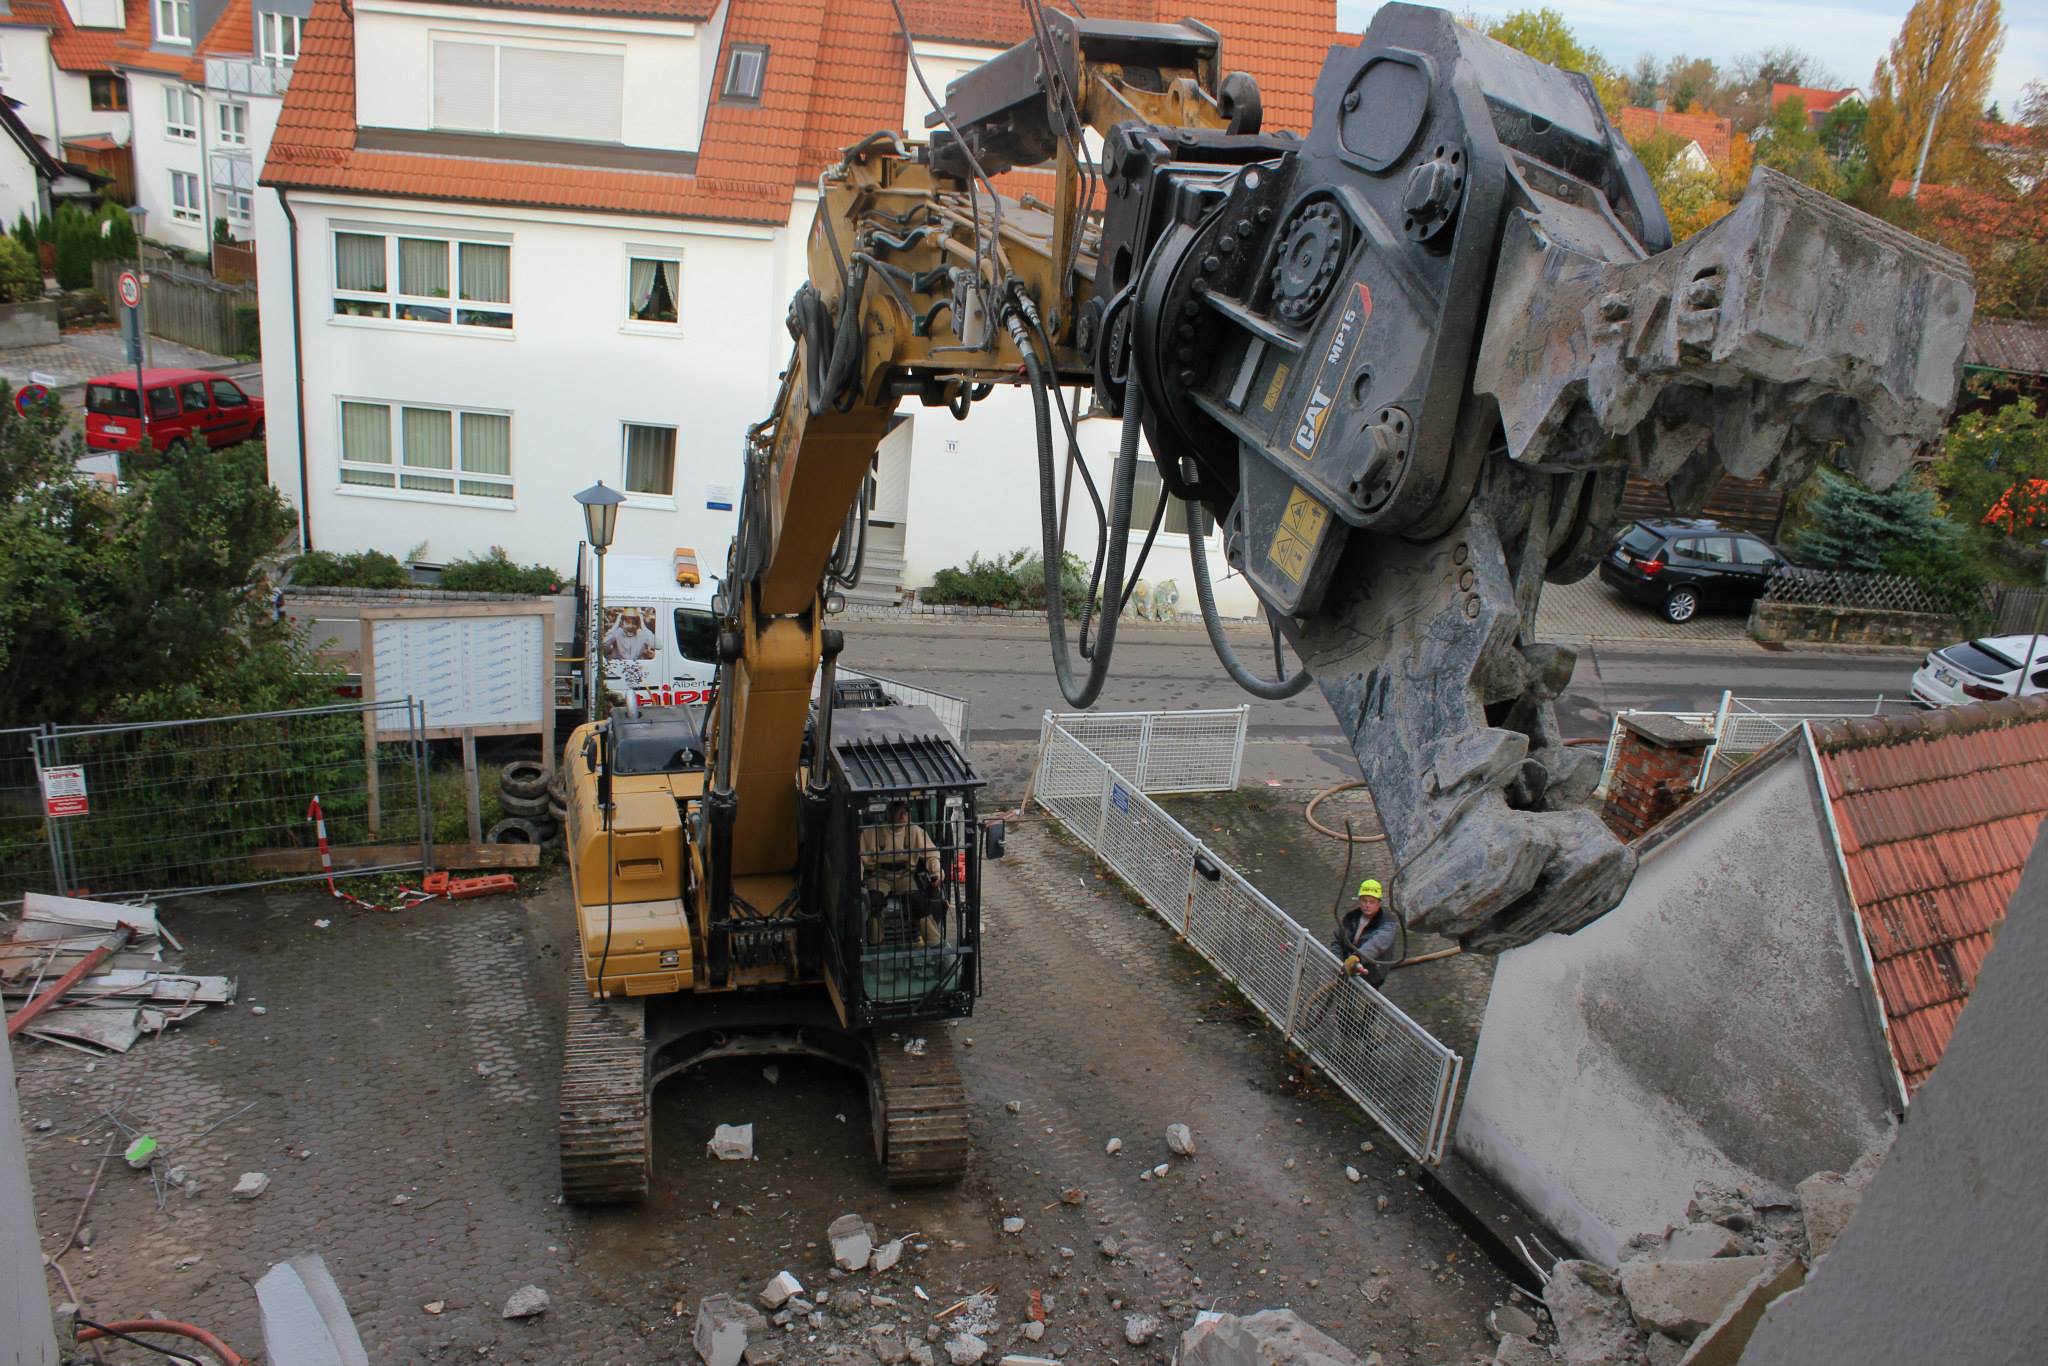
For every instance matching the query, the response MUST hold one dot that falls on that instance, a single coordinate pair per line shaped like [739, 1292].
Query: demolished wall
[1712, 1027]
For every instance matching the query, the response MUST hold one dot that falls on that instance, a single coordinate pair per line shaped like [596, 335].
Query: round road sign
[129, 288]
[28, 396]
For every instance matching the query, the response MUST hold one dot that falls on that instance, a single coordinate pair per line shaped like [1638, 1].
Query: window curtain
[358, 262]
[423, 268]
[365, 439]
[486, 273]
[641, 285]
[486, 449]
[429, 445]
[651, 460]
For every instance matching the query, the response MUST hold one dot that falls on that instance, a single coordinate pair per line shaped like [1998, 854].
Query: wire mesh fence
[951, 710]
[1399, 1074]
[1162, 751]
[177, 807]
[1742, 726]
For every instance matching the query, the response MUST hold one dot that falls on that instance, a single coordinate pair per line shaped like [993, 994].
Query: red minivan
[184, 405]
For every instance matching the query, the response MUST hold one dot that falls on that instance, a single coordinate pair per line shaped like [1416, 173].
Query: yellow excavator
[1402, 365]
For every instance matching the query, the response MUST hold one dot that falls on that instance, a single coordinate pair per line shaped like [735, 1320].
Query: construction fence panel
[952, 711]
[1404, 1078]
[1165, 751]
[178, 807]
[24, 839]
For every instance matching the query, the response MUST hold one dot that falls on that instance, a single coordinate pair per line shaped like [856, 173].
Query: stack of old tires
[535, 811]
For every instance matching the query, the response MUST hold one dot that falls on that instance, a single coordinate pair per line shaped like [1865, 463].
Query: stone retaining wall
[1776, 621]
[30, 324]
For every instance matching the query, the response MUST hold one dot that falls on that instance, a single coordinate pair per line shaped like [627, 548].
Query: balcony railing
[246, 76]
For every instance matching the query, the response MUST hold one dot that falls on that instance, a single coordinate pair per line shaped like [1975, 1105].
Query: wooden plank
[451, 856]
[472, 800]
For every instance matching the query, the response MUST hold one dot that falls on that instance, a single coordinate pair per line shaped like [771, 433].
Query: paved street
[1627, 658]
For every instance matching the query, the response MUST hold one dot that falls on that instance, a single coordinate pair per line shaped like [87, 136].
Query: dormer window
[174, 21]
[277, 37]
[744, 72]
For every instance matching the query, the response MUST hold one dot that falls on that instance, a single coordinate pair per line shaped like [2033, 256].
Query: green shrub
[21, 279]
[116, 229]
[25, 232]
[1015, 580]
[248, 332]
[358, 569]
[495, 573]
[1897, 531]
[77, 248]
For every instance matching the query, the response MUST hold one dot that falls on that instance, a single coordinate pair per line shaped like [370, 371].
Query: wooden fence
[234, 262]
[193, 310]
[2020, 610]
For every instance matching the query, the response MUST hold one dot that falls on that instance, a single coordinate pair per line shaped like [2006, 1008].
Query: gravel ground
[404, 1077]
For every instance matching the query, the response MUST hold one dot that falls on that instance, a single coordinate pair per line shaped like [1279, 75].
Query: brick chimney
[1657, 762]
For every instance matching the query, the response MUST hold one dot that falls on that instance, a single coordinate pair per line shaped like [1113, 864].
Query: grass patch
[445, 789]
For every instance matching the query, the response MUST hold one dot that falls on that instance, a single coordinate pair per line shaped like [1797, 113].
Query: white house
[511, 248]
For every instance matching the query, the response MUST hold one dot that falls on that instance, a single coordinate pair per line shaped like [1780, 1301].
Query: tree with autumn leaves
[1927, 96]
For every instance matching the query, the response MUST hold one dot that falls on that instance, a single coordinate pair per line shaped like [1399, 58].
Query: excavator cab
[902, 864]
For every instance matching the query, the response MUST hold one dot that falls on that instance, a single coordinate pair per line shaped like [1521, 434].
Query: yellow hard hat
[1370, 887]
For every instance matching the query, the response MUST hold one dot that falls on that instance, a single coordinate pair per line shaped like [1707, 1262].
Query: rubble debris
[1014, 1360]
[771, 1074]
[732, 1143]
[251, 1185]
[780, 1290]
[434, 1306]
[723, 1325]
[885, 1256]
[1111, 1248]
[141, 1152]
[1034, 1331]
[1827, 1202]
[1270, 1336]
[1013, 1225]
[767, 1353]
[852, 1241]
[304, 1316]
[1113, 1147]
[1073, 1195]
[1699, 1243]
[888, 1345]
[1507, 1321]
[1015, 1107]
[1680, 1298]
[1162, 1169]
[1353, 1175]
[528, 1301]
[1520, 1352]
[1181, 1140]
[1593, 1325]
[1713, 1204]
[965, 1349]
[1140, 1329]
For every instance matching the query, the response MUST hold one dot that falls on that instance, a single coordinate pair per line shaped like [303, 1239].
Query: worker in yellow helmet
[1365, 937]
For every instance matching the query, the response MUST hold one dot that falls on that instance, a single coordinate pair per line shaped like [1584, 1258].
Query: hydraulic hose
[1198, 562]
[1112, 572]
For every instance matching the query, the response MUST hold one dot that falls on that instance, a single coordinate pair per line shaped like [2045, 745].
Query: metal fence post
[1144, 764]
[1294, 991]
[1196, 853]
[1102, 807]
[422, 785]
[1244, 724]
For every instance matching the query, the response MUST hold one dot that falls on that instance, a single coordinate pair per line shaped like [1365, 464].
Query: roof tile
[1936, 813]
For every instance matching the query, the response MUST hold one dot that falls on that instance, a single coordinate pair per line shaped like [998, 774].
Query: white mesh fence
[1163, 751]
[1743, 726]
[1393, 1068]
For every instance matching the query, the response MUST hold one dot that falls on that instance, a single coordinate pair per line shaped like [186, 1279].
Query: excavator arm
[1406, 362]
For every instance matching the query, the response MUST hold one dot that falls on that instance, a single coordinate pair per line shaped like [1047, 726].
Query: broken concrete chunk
[1181, 1139]
[885, 1257]
[1723, 1341]
[1712, 1204]
[780, 1290]
[251, 1185]
[1664, 1351]
[1509, 1322]
[1113, 1147]
[766, 1353]
[732, 1143]
[965, 1349]
[1699, 1243]
[723, 1323]
[852, 1241]
[1013, 1225]
[921, 1355]
[1353, 1175]
[1827, 1202]
[1275, 1336]
[1034, 1331]
[526, 1302]
[1140, 1329]
[887, 1342]
[1520, 1352]
[1015, 1360]
[1593, 1325]
[1682, 1298]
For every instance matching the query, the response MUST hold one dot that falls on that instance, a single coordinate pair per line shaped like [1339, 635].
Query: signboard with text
[64, 790]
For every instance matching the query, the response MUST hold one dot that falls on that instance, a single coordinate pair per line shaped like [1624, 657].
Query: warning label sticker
[1301, 530]
[64, 790]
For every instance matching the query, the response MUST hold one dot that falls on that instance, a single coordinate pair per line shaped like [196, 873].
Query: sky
[1848, 36]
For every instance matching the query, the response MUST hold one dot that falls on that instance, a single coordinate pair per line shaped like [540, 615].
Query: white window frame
[231, 136]
[238, 207]
[659, 500]
[271, 28]
[394, 300]
[759, 52]
[179, 27]
[183, 124]
[454, 474]
[194, 211]
[499, 45]
[637, 326]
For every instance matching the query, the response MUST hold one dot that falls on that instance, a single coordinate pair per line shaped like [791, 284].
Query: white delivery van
[658, 640]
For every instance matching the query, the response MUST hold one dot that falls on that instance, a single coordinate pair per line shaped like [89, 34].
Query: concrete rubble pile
[1693, 1294]
[855, 1313]
[126, 995]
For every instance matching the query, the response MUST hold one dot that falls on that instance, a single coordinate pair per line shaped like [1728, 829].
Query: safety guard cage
[904, 940]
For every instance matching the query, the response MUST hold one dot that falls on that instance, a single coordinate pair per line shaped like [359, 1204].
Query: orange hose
[227, 1354]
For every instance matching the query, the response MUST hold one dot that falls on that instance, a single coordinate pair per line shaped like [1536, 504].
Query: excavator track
[605, 1134]
[919, 1105]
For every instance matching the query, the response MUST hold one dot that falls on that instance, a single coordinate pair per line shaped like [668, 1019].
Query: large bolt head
[1428, 186]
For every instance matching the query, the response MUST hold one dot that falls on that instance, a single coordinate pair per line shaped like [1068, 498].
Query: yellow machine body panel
[638, 871]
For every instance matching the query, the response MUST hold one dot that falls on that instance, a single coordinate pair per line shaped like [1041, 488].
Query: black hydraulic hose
[1198, 561]
[1120, 515]
[1144, 553]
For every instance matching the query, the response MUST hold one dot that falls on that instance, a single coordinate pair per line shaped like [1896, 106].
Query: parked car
[1981, 671]
[1689, 567]
[184, 405]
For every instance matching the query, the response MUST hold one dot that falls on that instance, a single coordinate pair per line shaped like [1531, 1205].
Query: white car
[1981, 671]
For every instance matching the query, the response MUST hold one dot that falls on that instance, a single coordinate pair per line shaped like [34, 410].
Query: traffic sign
[28, 396]
[129, 288]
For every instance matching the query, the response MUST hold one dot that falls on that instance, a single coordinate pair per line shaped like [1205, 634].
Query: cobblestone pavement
[82, 354]
[404, 1076]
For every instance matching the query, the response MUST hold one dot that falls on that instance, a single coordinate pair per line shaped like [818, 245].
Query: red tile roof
[1936, 813]
[835, 73]
[132, 46]
[1714, 135]
[1817, 102]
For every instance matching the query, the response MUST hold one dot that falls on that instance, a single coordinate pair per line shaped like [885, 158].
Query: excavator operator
[898, 859]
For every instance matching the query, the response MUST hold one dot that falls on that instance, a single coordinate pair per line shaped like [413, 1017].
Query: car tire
[531, 808]
[1681, 605]
[514, 830]
[523, 778]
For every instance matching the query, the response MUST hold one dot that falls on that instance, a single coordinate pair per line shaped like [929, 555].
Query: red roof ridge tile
[1866, 732]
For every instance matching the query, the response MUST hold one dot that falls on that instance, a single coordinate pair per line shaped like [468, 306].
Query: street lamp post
[140, 216]
[600, 521]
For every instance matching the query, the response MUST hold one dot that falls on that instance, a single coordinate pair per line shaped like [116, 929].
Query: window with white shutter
[489, 87]
[465, 86]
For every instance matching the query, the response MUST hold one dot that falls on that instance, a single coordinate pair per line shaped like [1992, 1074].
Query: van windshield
[110, 400]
